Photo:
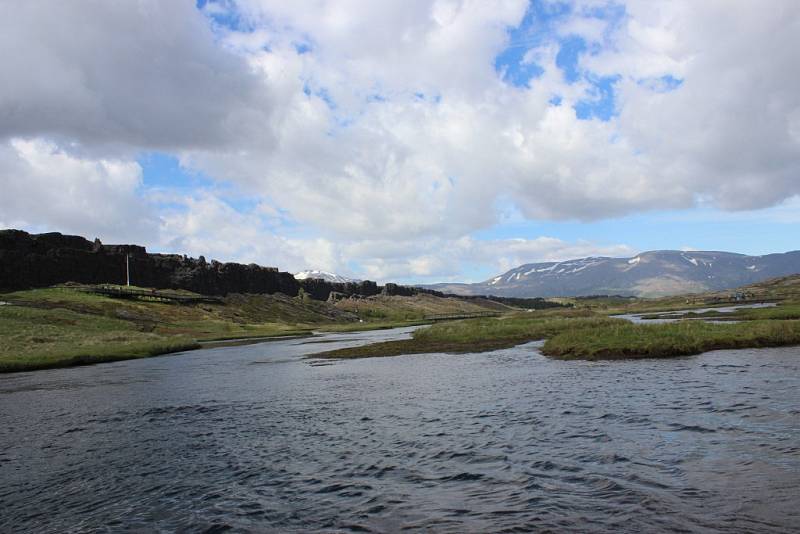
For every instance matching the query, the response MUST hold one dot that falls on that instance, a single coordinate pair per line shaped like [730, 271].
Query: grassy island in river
[586, 338]
[588, 332]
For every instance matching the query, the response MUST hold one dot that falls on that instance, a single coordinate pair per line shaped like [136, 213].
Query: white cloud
[726, 134]
[447, 259]
[140, 74]
[391, 137]
[473, 138]
[45, 188]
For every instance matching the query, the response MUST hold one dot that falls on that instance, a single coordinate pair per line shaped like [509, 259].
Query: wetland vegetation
[64, 326]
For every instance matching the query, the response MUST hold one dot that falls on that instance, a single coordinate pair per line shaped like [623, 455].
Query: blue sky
[413, 142]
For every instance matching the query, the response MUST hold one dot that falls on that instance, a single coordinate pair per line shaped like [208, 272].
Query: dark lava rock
[41, 260]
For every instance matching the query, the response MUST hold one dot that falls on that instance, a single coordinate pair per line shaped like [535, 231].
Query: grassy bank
[397, 310]
[32, 338]
[477, 335]
[584, 336]
[782, 312]
[63, 326]
[626, 340]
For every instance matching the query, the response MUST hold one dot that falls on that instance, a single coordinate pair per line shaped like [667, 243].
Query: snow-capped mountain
[324, 275]
[656, 273]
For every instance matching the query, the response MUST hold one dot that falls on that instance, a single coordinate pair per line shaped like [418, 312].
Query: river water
[673, 316]
[258, 438]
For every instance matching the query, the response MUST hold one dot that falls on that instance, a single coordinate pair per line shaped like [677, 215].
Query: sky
[410, 141]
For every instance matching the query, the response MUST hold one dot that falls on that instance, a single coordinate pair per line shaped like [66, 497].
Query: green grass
[61, 326]
[782, 312]
[368, 326]
[626, 340]
[397, 309]
[476, 335]
[581, 336]
[32, 338]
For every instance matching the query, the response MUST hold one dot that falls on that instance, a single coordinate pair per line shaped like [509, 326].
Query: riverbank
[783, 312]
[64, 326]
[588, 337]
[479, 335]
[683, 338]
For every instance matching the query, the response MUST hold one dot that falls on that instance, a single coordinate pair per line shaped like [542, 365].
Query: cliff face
[320, 289]
[28, 260]
[41, 260]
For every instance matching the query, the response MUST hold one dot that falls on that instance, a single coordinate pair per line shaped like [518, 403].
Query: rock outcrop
[28, 260]
[41, 260]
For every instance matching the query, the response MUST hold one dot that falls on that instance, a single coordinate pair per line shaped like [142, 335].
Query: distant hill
[650, 274]
[783, 288]
[323, 275]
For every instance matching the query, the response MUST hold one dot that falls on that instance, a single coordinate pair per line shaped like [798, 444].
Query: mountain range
[649, 274]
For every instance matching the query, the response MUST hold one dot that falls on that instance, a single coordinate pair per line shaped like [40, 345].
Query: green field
[33, 338]
[61, 327]
[66, 326]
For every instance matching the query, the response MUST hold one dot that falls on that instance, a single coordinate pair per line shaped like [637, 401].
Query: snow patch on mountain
[323, 275]
[693, 261]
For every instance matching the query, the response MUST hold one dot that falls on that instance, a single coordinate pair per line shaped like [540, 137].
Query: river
[260, 438]
[676, 315]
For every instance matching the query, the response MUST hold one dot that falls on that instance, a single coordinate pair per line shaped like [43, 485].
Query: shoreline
[592, 339]
[83, 359]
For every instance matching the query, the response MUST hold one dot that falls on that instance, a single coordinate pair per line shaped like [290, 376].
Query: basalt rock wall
[320, 289]
[40, 260]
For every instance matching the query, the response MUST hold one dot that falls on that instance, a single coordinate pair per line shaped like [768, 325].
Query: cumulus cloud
[47, 189]
[383, 116]
[728, 133]
[438, 259]
[140, 74]
[385, 129]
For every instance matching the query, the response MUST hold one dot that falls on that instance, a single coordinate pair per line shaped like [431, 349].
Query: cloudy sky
[406, 140]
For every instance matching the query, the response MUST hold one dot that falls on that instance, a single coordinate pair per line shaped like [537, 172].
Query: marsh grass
[590, 338]
[476, 335]
[627, 340]
[781, 312]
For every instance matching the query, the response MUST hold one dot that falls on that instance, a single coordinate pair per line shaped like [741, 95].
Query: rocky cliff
[40, 260]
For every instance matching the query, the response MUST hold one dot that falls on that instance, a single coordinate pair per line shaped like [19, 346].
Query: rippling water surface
[257, 438]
